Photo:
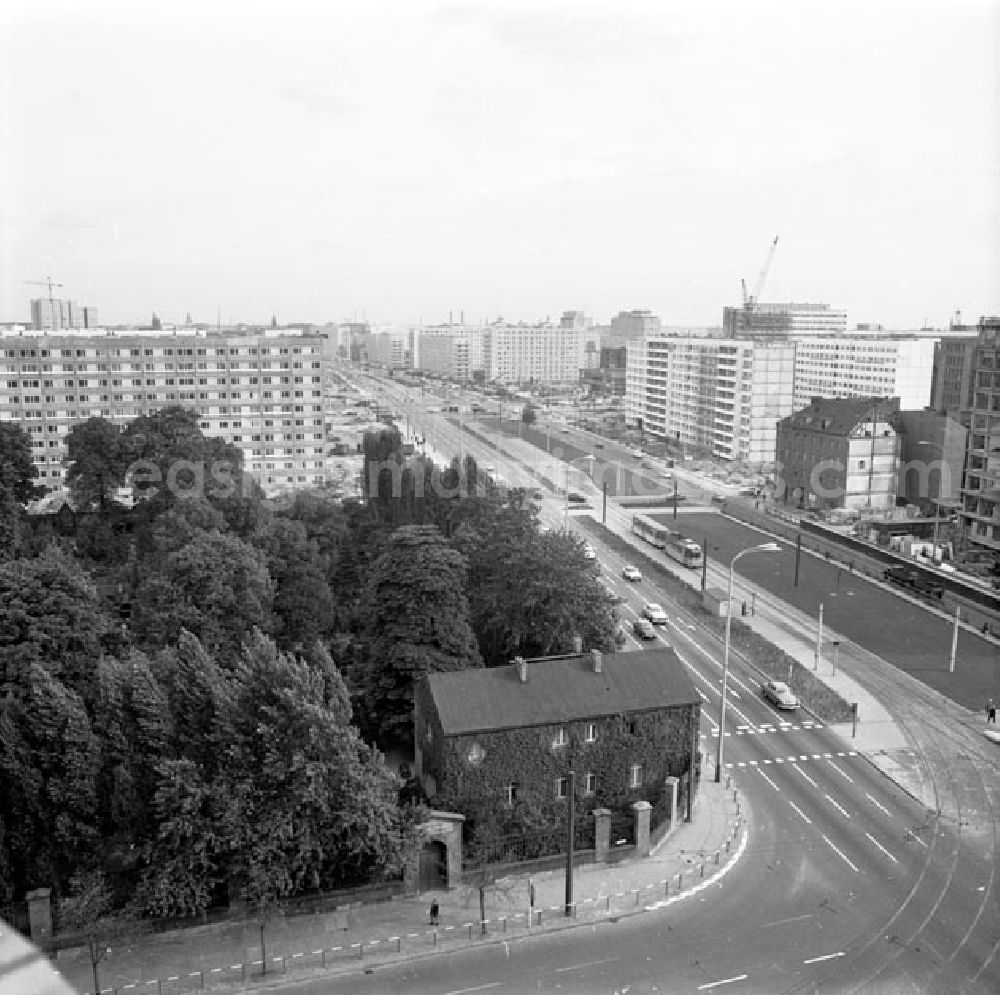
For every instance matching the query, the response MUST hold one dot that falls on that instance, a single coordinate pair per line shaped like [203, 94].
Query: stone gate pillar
[602, 834]
[642, 812]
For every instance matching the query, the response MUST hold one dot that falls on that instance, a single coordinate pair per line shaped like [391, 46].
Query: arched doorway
[433, 866]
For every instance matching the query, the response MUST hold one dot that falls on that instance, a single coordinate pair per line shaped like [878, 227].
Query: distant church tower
[156, 324]
[274, 321]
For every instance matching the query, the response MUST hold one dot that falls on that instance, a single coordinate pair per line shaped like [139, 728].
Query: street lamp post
[566, 490]
[766, 547]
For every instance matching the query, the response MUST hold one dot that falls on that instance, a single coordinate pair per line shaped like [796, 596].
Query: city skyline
[401, 162]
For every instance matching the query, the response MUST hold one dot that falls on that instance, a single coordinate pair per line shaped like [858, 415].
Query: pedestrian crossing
[801, 758]
[767, 727]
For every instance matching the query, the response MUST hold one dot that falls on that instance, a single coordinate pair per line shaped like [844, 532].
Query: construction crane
[47, 282]
[750, 302]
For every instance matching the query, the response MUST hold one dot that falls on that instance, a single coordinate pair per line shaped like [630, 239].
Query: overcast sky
[318, 161]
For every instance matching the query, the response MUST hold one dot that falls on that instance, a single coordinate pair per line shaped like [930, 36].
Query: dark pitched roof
[560, 689]
[839, 415]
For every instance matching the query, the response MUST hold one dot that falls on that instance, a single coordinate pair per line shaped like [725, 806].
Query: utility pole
[798, 557]
[954, 640]
[604, 502]
[819, 640]
[675, 500]
[704, 563]
[570, 815]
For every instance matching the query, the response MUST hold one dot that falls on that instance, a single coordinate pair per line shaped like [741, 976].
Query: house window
[562, 787]
[591, 736]
[590, 784]
[510, 794]
[560, 739]
[475, 754]
[635, 776]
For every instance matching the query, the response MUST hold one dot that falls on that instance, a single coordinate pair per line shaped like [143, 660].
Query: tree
[414, 620]
[50, 614]
[216, 586]
[97, 463]
[531, 594]
[528, 415]
[17, 471]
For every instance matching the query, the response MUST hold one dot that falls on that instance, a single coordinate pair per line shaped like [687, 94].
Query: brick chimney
[597, 659]
[522, 669]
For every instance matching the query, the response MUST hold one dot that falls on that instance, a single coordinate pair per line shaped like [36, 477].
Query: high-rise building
[724, 395]
[864, 365]
[784, 319]
[262, 393]
[980, 512]
[524, 353]
[454, 351]
[53, 314]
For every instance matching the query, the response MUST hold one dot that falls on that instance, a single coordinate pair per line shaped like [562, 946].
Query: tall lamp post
[766, 547]
[566, 489]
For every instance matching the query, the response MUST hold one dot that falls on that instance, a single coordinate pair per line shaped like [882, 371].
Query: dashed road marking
[838, 807]
[801, 813]
[724, 981]
[846, 777]
[882, 848]
[875, 802]
[816, 960]
[840, 853]
[769, 781]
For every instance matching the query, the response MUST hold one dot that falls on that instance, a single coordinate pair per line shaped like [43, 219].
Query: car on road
[589, 552]
[631, 573]
[779, 694]
[598, 445]
[638, 453]
[575, 498]
[642, 628]
[914, 580]
[654, 613]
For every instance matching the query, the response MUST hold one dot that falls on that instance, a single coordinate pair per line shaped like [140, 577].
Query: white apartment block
[723, 394]
[451, 351]
[539, 353]
[865, 365]
[262, 393]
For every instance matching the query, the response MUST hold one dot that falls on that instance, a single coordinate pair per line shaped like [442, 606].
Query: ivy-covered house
[497, 745]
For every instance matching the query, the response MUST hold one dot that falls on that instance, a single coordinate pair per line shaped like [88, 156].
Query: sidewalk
[693, 856]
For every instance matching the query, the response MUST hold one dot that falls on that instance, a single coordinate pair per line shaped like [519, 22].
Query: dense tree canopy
[414, 620]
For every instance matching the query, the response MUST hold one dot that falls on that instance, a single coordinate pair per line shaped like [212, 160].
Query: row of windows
[164, 351]
[561, 785]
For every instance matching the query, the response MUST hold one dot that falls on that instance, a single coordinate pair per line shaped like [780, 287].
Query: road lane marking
[724, 981]
[769, 781]
[805, 775]
[478, 988]
[783, 922]
[882, 848]
[846, 777]
[837, 807]
[816, 960]
[840, 854]
[876, 804]
[801, 813]
[591, 963]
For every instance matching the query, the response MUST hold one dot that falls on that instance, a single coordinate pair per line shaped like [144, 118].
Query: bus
[655, 535]
[684, 550]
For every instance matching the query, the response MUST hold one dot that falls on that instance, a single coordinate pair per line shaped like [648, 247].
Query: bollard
[728, 842]
[361, 951]
[504, 921]
[609, 903]
[680, 882]
[284, 968]
[470, 930]
[636, 896]
[201, 975]
[736, 797]
[435, 938]
[323, 952]
[666, 888]
[716, 856]
[702, 870]
[399, 944]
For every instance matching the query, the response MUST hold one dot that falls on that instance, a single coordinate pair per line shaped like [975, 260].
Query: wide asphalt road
[899, 629]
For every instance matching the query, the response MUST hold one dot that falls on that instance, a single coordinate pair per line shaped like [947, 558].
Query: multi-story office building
[953, 383]
[722, 394]
[262, 393]
[454, 351]
[524, 353]
[980, 512]
[53, 314]
[839, 453]
[864, 365]
[784, 319]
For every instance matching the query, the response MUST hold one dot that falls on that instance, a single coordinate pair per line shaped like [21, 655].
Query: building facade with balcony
[261, 393]
[543, 353]
[979, 515]
[455, 352]
[839, 453]
[723, 395]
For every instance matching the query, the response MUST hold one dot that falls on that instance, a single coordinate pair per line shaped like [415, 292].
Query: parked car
[589, 552]
[598, 445]
[779, 694]
[643, 629]
[655, 613]
[638, 453]
[631, 573]
[575, 498]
